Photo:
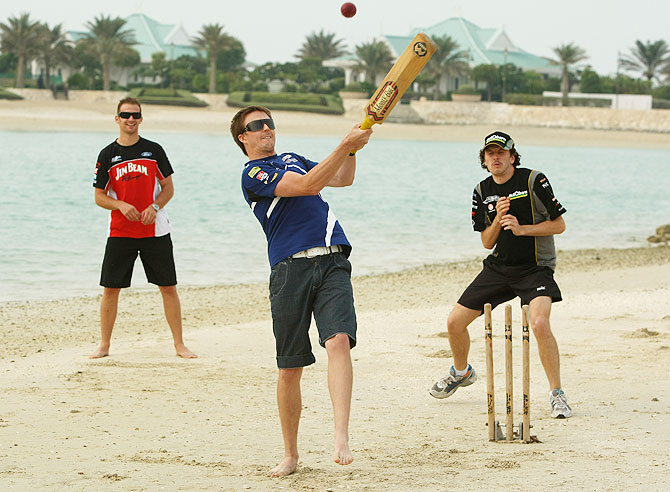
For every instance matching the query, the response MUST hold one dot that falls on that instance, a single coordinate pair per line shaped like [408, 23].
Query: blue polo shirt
[291, 224]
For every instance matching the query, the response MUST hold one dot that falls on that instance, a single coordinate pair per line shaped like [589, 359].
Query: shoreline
[97, 116]
[410, 288]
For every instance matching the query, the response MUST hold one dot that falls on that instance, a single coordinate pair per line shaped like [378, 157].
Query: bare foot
[183, 351]
[287, 466]
[341, 452]
[101, 352]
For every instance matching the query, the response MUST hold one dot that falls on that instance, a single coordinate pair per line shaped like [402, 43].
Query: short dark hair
[515, 154]
[128, 100]
[237, 123]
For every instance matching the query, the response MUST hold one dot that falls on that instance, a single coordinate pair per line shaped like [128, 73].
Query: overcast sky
[274, 30]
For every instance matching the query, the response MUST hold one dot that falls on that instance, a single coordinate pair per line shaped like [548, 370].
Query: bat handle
[367, 124]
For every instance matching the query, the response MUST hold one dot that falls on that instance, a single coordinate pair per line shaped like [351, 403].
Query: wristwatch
[155, 206]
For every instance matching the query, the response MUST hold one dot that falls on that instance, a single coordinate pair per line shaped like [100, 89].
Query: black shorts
[302, 287]
[496, 284]
[121, 253]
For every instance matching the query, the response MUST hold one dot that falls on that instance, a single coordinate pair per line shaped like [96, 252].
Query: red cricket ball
[348, 9]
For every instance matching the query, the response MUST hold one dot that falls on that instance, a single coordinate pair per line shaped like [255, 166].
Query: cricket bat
[398, 80]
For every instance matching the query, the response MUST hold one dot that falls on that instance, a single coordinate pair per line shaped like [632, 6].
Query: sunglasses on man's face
[127, 114]
[258, 125]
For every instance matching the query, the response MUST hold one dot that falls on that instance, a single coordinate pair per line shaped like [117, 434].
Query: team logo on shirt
[288, 159]
[116, 158]
[130, 167]
[146, 154]
[253, 171]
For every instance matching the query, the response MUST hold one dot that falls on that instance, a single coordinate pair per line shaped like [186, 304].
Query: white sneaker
[559, 404]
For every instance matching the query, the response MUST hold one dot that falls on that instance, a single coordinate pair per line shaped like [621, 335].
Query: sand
[145, 420]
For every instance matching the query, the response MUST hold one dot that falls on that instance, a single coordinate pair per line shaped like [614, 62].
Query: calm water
[410, 206]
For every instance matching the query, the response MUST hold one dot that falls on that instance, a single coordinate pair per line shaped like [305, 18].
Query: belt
[318, 251]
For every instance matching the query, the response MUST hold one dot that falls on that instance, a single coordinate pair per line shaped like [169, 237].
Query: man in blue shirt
[311, 273]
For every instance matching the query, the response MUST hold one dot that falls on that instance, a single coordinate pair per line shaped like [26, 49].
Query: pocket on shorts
[278, 277]
[341, 261]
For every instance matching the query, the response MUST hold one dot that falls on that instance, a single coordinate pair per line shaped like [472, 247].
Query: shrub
[288, 101]
[536, 100]
[167, 97]
[5, 94]
[79, 81]
[467, 89]
[660, 103]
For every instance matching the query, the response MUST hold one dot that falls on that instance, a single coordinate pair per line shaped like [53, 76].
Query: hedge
[166, 97]
[4, 94]
[288, 101]
[538, 100]
[660, 103]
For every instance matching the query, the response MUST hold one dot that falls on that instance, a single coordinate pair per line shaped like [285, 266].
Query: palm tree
[568, 54]
[53, 48]
[321, 46]
[212, 39]
[107, 39]
[375, 57]
[648, 58]
[19, 37]
[448, 61]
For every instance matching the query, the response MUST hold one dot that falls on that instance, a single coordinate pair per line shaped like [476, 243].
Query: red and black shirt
[133, 174]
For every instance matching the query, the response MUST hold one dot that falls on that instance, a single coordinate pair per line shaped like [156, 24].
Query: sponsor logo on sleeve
[263, 176]
[253, 171]
[274, 177]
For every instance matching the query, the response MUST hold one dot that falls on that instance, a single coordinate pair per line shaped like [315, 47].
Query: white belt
[318, 251]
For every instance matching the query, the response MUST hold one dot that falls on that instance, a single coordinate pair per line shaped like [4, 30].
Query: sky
[274, 30]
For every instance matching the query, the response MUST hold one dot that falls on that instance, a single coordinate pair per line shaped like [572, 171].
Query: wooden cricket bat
[398, 80]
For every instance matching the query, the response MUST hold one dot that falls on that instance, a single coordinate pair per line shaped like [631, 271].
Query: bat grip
[367, 124]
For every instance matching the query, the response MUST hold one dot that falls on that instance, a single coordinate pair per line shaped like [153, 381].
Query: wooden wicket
[494, 430]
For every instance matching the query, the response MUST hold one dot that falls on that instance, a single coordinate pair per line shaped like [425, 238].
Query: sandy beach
[144, 420]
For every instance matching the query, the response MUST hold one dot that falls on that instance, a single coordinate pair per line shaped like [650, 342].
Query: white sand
[145, 420]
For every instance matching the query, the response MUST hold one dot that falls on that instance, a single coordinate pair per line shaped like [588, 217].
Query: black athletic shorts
[496, 284]
[155, 253]
[302, 287]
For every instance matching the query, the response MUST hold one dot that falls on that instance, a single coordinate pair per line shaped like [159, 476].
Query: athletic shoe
[450, 383]
[559, 404]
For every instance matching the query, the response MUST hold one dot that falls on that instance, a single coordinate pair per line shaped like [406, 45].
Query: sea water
[409, 206]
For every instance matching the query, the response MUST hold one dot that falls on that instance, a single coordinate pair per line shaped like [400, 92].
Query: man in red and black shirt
[133, 179]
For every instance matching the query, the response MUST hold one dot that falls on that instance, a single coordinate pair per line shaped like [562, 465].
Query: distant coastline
[442, 121]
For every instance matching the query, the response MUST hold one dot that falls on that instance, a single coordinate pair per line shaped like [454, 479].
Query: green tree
[374, 57]
[53, 48]
[567, 54]
[233, 58]
[213, 40]
[489, 74]
[590, 82]
[321, 46]
[107, 40]
[647, 58]
[533, 83]
[20, 37]
[448, 61]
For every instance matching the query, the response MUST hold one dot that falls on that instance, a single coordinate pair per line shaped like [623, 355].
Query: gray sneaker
[559, 404]
[450, 383]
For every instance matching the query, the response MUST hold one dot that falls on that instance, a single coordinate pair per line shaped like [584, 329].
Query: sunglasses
[127, 114]
[258, 125]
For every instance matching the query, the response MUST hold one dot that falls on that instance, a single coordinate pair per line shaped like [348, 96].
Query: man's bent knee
[338, 342]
